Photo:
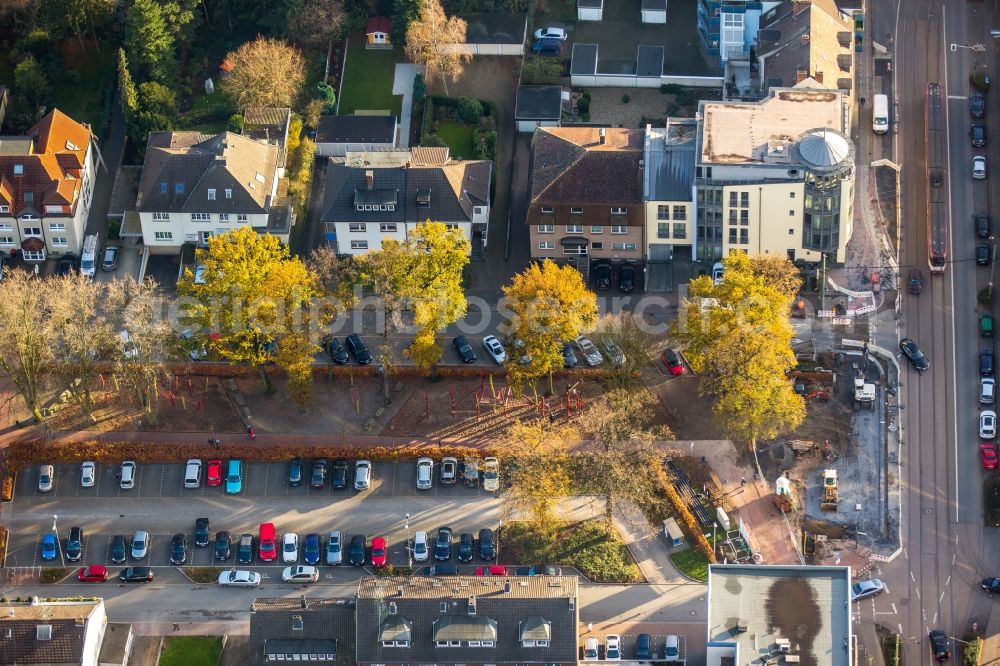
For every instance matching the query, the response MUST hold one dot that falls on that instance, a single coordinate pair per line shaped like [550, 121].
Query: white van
[192, 473]
[880, 114]
[88, 258]
[590, 649]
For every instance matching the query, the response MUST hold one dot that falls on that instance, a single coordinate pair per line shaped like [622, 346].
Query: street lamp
[55, 529]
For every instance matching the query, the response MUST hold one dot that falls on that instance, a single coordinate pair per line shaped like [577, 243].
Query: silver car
[46, 478]
[362, 474]
[866, 588]
[239, 578]
[589, 351]
[140, 544]
[87, 474]
[425, 473]
[334, 551]
[987, 424]
[495, 349]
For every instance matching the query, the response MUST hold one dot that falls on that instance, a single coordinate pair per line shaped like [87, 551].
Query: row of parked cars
[583, 345]
[644, 650]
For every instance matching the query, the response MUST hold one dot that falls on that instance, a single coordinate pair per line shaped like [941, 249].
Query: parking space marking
[267, 477]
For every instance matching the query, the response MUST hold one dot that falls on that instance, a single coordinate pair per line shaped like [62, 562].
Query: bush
[202, 574]
[584, 545]
[692, 529]
[432, 141]
[310, 116]
[485, 144]
[583, 105]
[536, 70]
[984, 297]
[626, 99]
[971, 650]
[236, 123]
[428, 118]
[325, 94]
[469, 110]
[419, 89]
[7, 490]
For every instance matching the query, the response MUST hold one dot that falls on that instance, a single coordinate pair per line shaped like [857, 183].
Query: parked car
[420, 552]
[979, 167]
[244, 549]
[916, 284]
[939, 645]
[379, 553]
[977, 135]
[290, 547]
[718, 273]
[983, 252]
[129, 350]
[119, 548]
[569, 356]
[492, 570]
[224, 546]
[547, 47]
[140, 545]
[178, 548]
[334, 553]
[987, 391]
[495, 349]
[590, 352]
[602, 276]
[988, 456]
[491, 474]
[464, 349]
[977, 105]
[234, 477]
[425, 473]
[201, 532]
[990, 584]
[590, 649]
[866, 588]
[311, 548]
[88, 473]
[987, 424]
[46, 478]
[74, 544]
[614, 352]
[192, 473]
[110, 260]
[981, 224]
[487, 548]
[126, 478]
[267, 546]
[362, 474]
[643, 647]
[612, 647]
[986, 363]
[550, 32]
[671, 648]
[95, 573]
[239, 578]
[448, 474]
[300, 574]
[358, 546]
[338, 478]
[442, 546]
[914, 355]
[986, 325]
[466, 547]
[338, 354]
[213, 475]
[136, 575]
[67, 264]
[317, 474]
[359, 349]
[626, 278]
[50, 546]
[295, 472]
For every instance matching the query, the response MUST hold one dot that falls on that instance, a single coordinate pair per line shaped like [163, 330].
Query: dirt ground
[606, 106]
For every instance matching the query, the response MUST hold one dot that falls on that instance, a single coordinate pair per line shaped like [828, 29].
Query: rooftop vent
[506, 586]
[603, 135]
[297, 623]
[392, 608]
[784, 645]
[71, 146]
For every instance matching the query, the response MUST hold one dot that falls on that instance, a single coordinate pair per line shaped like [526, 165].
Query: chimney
[370, 179]
[604, 138]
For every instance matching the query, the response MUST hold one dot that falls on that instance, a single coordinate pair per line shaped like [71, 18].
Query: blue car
[50, 546]
[234, 477]
[312, 549]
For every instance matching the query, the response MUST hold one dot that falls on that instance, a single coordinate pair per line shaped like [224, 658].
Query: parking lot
[161, 505]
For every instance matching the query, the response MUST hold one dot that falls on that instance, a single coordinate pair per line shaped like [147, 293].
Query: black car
[317, 475]
[223, 546]
[990, 584]
[466, 547]
[442, 545]
[916, 281]
[986, 363]
[118, 548]
[487, 549]
[939, 645]
[110, 260]
[569, 356]
[626, 278]
[602, 276]
[977, 104]
[913, 353]
[201, 528]
[178, 548]
[67, 264]
[244, 551]
[982, 254]
[525, 571]
[136, 575]
[335, 348]
[357, 554]
[359, 349]
[981, 222]
[977, 134]
[74, 544]
[548, 570]
[338, 480]
[295, 472]
[464, 349]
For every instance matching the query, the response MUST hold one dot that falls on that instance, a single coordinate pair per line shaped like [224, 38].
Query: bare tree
[316, 23]
[430, 42]
[266, 72]
[25, 345]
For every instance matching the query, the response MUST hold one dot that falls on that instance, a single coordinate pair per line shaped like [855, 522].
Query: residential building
[773, 614]
[194, 186]
[370, 196]
[668, 190]
[538, 106]
[585, 189]
[452, 620]
[378, 33]
[337, 135]
[728, 28]
[269, 125]
[288, 629]
[46, 187]
[775, 176]
[52, 632]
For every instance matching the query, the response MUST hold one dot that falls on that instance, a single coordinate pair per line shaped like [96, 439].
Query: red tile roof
[379, 24]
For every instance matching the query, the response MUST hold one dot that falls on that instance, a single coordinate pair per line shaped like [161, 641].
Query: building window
[791, 213]
[242, 217]
[163, 187]
[744, 199]
[359, 245]
[387, 227]
[390, 207]
[680, 212]
[732, 199]
[623, 247]
[791, 232]
[179, 188]
[201, 217]
[229, 193]
[619, 210]
[680, 230]
[791, 195]
[575, 249]
[18, 169]
[663, 212]
[4, 209]
[547, 210]
[534, 643]
[732, 216]
[663, 230]
[546, 228]
[619, 229]
[6, 227]
[451, 227]
[60, 240]
[597, 229]
[475, 643]
[33, 256]
[6, 240]
[546, 245]
[574, 228]
[57, 226]
[211, 194]
[744, 236]
[53, 209]
[161, 217]
[29, 216]
[597, 245]
[223, 217]
[32, 231]
[163, 235]
[204, 236]
[744, 217]
[576, 211]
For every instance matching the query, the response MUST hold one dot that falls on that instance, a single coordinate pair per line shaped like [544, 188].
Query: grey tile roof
[463, 608]
[590, 3]
[584, 59]
[654, 5]
[180, 168]
[670, 157]
[356, 129]
[302, 625]
[342, 185]
[570, 166]
[43, 633]
[538, 103]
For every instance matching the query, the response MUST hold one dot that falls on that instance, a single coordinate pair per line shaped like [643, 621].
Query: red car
[672, 362]
[378, 552]
[95, 573]
[492, 570]
[214, 477]
[988, 454]
[267, 548]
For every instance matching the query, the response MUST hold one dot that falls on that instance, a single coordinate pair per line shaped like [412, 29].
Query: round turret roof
[824, 148]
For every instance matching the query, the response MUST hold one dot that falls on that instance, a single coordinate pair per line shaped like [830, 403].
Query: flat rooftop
[761, 607]
[741, 132]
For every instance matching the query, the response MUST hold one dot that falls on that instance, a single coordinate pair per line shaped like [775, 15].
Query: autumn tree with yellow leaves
[430, 42]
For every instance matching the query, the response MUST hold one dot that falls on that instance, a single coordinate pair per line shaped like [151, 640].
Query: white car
[140, 544]
[718, 273]
[126, 478]
[46, 476]
[979, 167]
[491, 474]
[987, 390]
[334, 551]
[494, 349]
[425, 473]
[300, 574]
[589, 351]
[866, 588]
[613, 648]
[239, 578]
[88, 472]
[420, 552]
[290, 547]
[988, 424]
[551, 32]
[362, 474]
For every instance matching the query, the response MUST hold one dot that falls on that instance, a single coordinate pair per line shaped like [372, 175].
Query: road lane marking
[917, 590]
[956, 97]
[941, 598]
[948, 580]
[912, 578]
[900, 627]
[894, 609]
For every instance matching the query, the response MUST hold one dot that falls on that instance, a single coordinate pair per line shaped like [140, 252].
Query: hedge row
[489, 108]
[680, 506]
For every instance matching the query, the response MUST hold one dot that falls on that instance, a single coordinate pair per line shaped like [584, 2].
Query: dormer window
[4, 208]
[424, 197]
[18, 169]
[619, 210]
[359, 207]
[211, 194]
[547, 210]
[391, 207]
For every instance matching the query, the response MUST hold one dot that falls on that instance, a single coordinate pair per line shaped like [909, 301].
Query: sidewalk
[644, 543]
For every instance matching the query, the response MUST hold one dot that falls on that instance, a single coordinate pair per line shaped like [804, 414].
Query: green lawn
[691, 563]
[368, 78]
[80, 92]
[209, 114]
[458, 137]
[583, 545]
[191, 651]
